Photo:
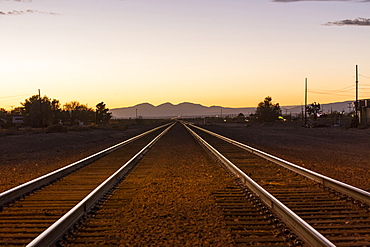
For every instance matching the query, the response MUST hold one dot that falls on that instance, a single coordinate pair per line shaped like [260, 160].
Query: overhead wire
[368, 77]
[344, 91]
[337, 94]
[15, 96]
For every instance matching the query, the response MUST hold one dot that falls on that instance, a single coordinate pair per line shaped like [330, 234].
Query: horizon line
[222, 106]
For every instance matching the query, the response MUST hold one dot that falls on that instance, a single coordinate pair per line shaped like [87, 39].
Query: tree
[77, 112]
[314, 109]
[3, 112]
[56, 111]
[3, 118]
[268, 112]
[102, 114]
[37, 111]
[240, 117]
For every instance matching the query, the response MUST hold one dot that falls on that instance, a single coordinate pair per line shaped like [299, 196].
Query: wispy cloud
[23, 1]
[355, 22]
[16, 12]
[291, 1]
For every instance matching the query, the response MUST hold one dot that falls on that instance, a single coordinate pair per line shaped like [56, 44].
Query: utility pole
[42, 118]
[305, 104]
[356, 104]
[302, 112]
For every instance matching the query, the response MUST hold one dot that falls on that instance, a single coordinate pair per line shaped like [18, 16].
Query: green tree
[267, 111]
[102, 113]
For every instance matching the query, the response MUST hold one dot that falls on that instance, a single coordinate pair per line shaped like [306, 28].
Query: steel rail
[349, 190]
[301, 228]
[30, 186]
[56, 231]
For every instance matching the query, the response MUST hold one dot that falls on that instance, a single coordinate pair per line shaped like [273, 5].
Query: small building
[17, 119]
[363, 111]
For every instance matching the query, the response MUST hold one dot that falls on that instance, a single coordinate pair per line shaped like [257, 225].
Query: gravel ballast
[166, 201]
[343, 154]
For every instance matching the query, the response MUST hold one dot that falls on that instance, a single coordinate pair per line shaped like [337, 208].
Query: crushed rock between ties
[27, 156]
[336, 152]
[171, 203]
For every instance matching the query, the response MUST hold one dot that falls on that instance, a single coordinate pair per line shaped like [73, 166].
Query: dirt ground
[343, 154]
[25, 156]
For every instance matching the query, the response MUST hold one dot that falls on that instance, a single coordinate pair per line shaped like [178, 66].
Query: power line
[368, 77]
[337, 94]
[342, 90]
[342, 82]
[15, 96]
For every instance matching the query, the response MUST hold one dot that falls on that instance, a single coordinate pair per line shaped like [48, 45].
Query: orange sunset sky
[231, 53]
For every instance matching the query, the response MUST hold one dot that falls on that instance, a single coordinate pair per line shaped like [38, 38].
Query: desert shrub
[93, 127]
[56, 128]
[119, 127]
[363, 127]
[28, 130]
[12, 131]
[78, 128]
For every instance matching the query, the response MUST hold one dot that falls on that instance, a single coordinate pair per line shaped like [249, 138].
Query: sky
[230, 53]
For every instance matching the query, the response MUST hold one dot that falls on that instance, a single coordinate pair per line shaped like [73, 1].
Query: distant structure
[363, 111]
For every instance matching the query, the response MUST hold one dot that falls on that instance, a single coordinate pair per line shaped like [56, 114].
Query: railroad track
[181, 184]
[29, 209]
[338, 212]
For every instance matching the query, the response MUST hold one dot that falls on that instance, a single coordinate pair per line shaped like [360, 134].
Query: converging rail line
[339, 212]
[174, 204]
[27, 210]
[177, 195]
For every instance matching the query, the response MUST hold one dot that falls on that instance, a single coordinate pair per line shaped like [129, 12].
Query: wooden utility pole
[42, 117]
[356, 104]
[305, 104]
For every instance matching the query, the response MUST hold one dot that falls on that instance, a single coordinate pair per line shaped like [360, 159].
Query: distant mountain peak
[165, 104]
[188, 109]
[143, 104]
[167, 110]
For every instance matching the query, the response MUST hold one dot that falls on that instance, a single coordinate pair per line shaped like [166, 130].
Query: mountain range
[186, 109]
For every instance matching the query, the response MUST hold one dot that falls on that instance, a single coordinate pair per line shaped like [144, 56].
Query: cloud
[16, 12]
[355, 22]
[23, 1]
[292, 1]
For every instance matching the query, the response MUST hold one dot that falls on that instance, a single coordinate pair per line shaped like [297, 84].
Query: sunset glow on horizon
[225, 53]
